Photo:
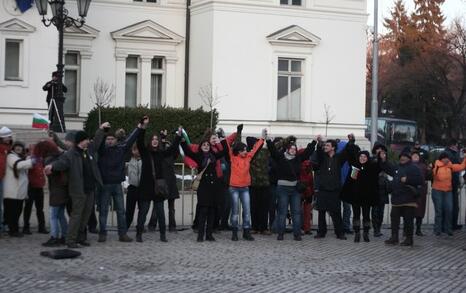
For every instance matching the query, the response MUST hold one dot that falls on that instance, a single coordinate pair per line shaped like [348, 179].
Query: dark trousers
[81, 210]
[456, 208]
[337, 223]
[133, 197]
[225, 208]
[377, 216]
[260, 197]
[408, 219]
[366, 220]
[13, 209]
[273, 205]
[36, 196]
[171, 215]
[92, 223]
[206, 219]
[159, 215]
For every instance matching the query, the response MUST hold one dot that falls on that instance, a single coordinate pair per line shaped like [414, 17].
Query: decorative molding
[147, 31]
[294, 36]
[16, 25]
[84, 32]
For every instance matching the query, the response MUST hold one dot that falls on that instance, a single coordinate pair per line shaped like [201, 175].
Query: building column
[146, 66]
[86, 83]
[169, 97]
[120, 79]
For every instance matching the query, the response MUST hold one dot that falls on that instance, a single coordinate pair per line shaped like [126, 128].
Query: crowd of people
[274, 181]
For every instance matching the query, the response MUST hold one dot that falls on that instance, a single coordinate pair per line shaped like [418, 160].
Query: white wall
[244, 62]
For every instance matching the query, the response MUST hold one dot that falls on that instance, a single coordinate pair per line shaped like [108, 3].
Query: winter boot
[357, 231]
[418, 227]
[408, 241]
[234, 234]
[365, 236]
[247, 235]
[394, 239]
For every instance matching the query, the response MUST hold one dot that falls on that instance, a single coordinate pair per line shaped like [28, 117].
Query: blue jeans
[1, 206]
[237, 194]
[443, 204]
[346, 216]
[58, 223]
[288, 195]
[112, 191]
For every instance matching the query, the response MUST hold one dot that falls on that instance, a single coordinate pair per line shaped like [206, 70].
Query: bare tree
[329, 116]
[102, 95]
[210, 99]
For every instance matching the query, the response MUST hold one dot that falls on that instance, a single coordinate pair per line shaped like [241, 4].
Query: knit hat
[80, 136]
[18, 143]
[5, 132]
[70, 135]
[405, 154]
[366, 153]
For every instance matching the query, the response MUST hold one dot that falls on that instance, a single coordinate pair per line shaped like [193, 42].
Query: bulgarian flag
[39, 121]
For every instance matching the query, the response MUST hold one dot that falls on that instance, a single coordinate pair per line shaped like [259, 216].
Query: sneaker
[102, 238]
[125, 238]
[52, 242]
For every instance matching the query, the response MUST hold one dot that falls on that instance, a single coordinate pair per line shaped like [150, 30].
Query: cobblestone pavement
[265, 265]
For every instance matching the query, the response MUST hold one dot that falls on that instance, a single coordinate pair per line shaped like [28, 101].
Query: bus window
[403, 133]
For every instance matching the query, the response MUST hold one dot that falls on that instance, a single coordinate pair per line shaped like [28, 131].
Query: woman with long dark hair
[154, 178]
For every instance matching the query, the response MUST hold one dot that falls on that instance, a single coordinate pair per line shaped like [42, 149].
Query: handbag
[300, 186]
[160, 185]
[197, 179]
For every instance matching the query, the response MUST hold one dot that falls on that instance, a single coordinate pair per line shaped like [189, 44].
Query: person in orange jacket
[442, 192]
[240, 180]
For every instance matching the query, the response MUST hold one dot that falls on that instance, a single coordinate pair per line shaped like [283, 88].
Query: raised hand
[105, 125]
[239, 128]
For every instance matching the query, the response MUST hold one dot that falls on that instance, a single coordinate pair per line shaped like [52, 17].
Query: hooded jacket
[443, 174]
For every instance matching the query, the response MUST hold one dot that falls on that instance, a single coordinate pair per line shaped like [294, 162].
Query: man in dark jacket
[81, 166]
[407, 181]
[453, 154]
[112, 167]
[328, 185]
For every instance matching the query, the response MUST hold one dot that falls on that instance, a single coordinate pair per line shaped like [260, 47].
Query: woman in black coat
[361, 191]
[209, 188]
[154, 178]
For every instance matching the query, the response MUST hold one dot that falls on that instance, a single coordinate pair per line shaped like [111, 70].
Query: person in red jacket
[6, 140]
[36, 178]
[307, 178]
[240, 180]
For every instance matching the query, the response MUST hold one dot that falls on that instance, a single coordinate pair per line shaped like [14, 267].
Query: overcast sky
[451, 9]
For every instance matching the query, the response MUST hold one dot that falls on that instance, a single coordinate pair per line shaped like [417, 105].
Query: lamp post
[60, 20]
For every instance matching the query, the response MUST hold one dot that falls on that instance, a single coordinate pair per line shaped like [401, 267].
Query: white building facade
[287, 65]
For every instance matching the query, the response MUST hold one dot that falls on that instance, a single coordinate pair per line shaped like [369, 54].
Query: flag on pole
[39, 121]
[24, 5]
[186, 137]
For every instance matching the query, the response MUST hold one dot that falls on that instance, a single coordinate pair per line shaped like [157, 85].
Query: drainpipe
[187, 43]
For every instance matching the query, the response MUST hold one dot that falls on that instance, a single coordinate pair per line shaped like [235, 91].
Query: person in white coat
[15, 186]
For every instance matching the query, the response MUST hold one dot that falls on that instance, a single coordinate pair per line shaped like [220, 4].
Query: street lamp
[60, 20]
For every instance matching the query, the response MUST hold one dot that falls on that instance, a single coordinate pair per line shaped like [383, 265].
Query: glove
[239, 128]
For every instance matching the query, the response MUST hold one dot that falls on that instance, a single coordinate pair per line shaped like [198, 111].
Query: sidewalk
[265, 265]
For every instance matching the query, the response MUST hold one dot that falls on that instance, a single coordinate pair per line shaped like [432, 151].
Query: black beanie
[443, 155]
[405, 154]
[80, 136]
